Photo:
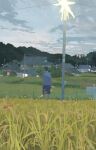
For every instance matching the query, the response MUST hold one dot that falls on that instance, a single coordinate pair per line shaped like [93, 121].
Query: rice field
[31, 87]
[27, 124]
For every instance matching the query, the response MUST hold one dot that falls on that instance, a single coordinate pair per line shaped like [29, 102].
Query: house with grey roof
[30, 63]
[84, 68]
[31, 60]
[69, 68]
[93, 69]
[11, 67]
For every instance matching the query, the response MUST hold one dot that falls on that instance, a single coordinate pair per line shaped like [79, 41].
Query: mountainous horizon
[9, 52]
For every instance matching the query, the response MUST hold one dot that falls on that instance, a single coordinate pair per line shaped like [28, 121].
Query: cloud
[37, 23]
[8, 13]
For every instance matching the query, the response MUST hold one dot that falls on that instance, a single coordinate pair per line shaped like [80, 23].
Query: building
[93, 69]
[30, 63]
[84, 68]
[30, 60]
[11, 68]
[69, 68]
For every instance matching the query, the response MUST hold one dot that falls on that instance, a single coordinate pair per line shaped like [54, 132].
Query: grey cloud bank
[37, 23]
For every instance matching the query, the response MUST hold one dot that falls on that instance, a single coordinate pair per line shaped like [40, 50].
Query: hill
[8, 52]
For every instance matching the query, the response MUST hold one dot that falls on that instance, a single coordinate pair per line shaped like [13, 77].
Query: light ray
[65, 9]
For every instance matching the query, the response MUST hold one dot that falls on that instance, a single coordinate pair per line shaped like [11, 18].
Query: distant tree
[92, 58]
[9, 53]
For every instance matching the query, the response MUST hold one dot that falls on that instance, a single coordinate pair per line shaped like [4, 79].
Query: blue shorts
[46, 89]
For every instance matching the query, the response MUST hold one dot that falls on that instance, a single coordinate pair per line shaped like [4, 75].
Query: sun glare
[65, 9]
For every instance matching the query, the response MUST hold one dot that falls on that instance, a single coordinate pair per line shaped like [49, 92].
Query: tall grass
[47, 125]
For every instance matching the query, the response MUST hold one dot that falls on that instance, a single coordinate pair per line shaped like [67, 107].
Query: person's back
[46, 78]
[46, 82]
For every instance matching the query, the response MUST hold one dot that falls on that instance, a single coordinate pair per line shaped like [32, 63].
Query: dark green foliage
[55, 71]
[8, 53]
[91, 58]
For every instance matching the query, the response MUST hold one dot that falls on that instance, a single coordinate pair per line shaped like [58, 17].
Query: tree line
[8, 52]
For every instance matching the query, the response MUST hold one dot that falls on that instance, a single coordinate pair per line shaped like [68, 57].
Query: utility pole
[65, 11]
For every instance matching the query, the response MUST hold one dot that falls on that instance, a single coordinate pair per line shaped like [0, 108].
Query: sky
[37, 23]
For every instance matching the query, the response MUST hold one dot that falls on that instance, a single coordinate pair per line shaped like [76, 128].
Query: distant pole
[63, 59]
[65, 11]
[24, 65]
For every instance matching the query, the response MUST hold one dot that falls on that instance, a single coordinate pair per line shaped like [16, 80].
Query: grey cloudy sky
[37, 23]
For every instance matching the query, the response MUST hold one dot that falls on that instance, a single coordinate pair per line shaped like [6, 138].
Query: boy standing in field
[46, 82]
